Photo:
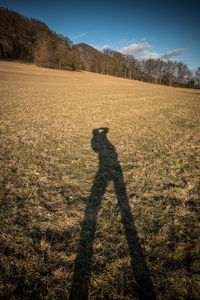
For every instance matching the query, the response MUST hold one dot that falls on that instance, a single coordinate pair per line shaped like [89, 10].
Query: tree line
[111, 62]
[31, 39]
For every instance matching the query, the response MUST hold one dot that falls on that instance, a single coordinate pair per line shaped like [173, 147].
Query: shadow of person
[109, 169]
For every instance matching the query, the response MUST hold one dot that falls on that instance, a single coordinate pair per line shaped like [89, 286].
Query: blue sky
[145, 29]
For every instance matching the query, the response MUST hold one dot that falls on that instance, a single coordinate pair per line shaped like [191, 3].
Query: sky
[146, 28]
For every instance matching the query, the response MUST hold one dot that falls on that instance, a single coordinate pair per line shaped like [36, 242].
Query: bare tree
[197, 76]
[183, 73]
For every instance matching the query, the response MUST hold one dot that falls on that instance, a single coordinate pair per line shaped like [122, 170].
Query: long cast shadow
[109, 169]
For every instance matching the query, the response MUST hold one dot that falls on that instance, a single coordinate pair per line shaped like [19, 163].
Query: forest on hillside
[32, 40]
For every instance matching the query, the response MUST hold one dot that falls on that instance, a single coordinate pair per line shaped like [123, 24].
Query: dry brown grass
[47, 169]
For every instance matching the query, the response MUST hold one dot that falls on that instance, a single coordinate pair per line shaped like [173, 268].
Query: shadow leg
[140, 269]
[82, 268]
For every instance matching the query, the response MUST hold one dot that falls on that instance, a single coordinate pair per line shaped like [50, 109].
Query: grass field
[145, 241]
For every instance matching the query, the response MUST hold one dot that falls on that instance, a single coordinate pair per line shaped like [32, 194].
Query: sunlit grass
[47, 169]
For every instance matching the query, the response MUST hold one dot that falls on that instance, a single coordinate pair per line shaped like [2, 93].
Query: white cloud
[100, 48]
[174, 52]
[78, 36]
[142, 50]
[136, 48]
[147, 55]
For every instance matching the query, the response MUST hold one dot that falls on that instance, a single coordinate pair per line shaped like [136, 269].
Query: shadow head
[100, 131]
[99, 138]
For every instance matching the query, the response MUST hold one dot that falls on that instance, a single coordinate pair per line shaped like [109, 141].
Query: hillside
[32, 40]
[66, 229]
[87, 53]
